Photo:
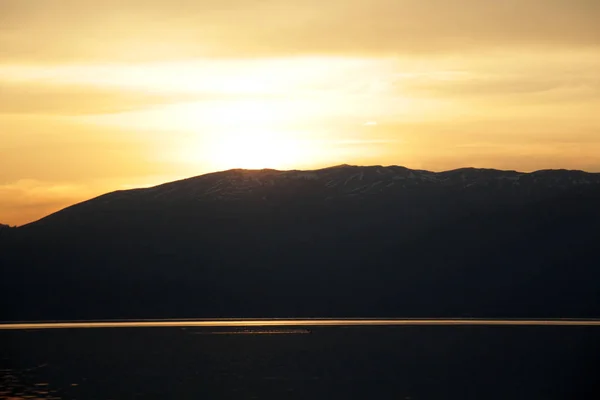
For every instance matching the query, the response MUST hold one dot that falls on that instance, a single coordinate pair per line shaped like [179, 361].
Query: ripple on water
[20, 385]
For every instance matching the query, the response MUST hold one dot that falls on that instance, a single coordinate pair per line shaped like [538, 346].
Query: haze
[97, 96]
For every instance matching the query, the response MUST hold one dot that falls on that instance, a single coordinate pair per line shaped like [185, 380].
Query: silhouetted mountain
[340, 241]
[4, 230]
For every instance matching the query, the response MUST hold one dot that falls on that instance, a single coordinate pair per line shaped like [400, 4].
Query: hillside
[340, 241]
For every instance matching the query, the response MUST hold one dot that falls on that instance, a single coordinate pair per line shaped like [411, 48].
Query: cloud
[161, 29]
[79, 99]
[73, 89]
[35, 98]
[403, 86]
[552, 85]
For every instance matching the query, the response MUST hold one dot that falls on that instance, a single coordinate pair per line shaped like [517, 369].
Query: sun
[254, 135]
[256, 150]
[249, 134]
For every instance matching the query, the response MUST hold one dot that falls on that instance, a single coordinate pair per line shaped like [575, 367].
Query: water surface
[302, 361]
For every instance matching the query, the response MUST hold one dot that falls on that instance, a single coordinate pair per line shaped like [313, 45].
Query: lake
[302, 362]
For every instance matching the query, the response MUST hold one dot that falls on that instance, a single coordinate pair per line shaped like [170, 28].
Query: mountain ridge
[442, 177]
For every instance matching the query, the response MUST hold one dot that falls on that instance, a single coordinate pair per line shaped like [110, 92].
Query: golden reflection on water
[255, 332]
[296, 322]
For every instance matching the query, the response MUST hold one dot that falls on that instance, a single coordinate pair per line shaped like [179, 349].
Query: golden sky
[103, 95]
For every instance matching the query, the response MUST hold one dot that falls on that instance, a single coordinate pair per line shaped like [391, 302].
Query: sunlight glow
[256, 150]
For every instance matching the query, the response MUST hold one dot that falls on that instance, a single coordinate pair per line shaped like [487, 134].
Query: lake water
[302, 362]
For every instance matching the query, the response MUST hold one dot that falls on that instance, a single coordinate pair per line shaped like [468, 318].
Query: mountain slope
[341, 241]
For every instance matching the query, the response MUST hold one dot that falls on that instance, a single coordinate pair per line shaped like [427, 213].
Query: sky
[97, 96]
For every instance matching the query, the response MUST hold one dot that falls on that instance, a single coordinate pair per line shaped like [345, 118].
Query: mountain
[339, 241]
[4, 229]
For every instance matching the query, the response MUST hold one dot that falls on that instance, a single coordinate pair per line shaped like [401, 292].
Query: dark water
[392, 362]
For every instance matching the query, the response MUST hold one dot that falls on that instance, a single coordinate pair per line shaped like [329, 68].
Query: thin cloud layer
[30, 98]
[160, 29]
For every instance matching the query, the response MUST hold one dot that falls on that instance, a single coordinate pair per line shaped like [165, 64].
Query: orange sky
[98, 96]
